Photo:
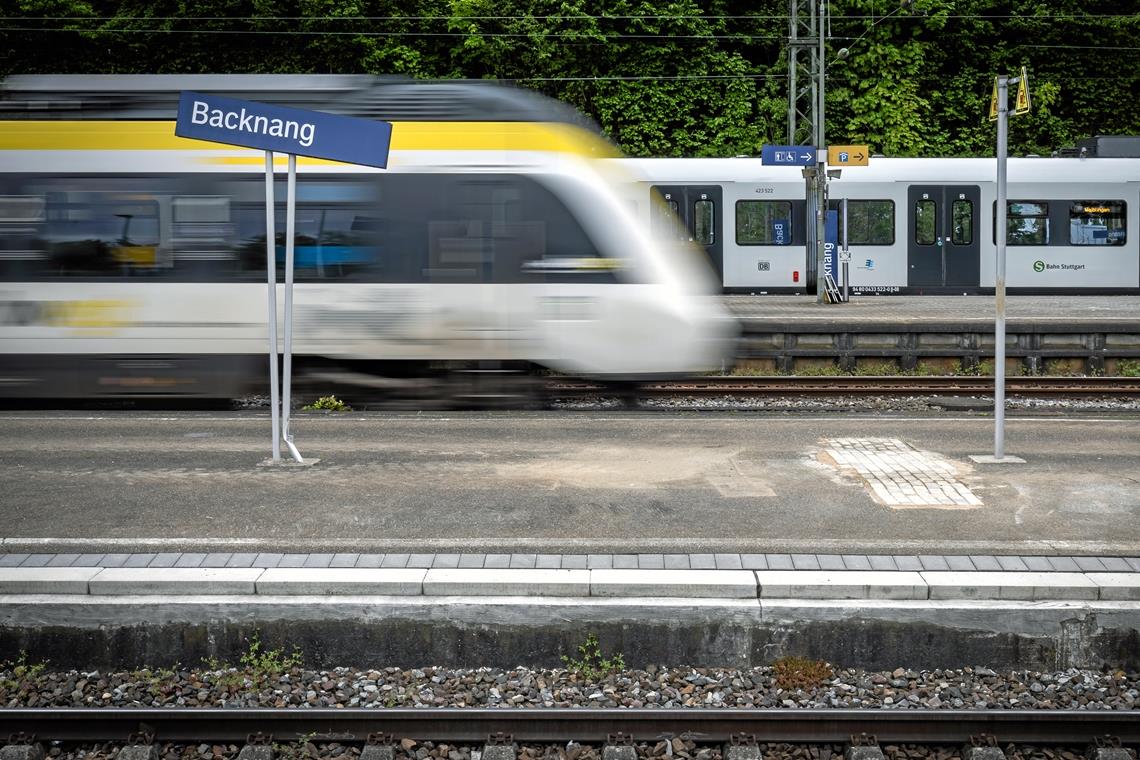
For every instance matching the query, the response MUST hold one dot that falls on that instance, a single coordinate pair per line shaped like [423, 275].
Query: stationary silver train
[133, 262]
[914, 225]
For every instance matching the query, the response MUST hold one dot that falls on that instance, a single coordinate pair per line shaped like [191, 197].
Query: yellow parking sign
[848, 155]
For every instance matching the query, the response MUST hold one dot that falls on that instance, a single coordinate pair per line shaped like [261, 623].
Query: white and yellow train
[133, 261]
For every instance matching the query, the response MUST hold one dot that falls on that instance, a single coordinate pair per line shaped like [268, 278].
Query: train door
[698, 213]
[943, 249]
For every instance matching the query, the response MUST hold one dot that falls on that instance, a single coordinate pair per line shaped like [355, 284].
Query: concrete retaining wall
[122, 632]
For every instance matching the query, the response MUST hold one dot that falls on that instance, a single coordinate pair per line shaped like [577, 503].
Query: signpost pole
[271, 270]
[846, 253]
[820, 167]
[290, 227]
[999, 279]
[292, 131]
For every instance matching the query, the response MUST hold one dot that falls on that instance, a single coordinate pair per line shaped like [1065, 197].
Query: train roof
[879, 169]
[155, 97]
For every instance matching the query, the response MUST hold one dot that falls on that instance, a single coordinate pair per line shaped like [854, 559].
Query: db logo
[1038, 266]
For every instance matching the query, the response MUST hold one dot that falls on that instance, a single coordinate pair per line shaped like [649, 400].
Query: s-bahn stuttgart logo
[1041, 266]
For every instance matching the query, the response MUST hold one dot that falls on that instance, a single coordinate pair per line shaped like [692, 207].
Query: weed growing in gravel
[829, 370]
[593, 666]
[22, 671]
[876, 369]
[327, 403]
[156, 680]
[801, 673]
[271, 662]
[301, 747]
[259, 665]
[983, 368]
[1128, 367]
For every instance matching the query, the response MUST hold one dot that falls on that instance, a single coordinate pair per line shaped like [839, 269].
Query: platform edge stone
[183, 581]
[337, 581]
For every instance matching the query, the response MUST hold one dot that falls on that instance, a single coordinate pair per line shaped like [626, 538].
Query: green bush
[329, 404]
[1128, 367]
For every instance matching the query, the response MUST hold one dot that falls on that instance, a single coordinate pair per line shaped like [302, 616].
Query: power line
[609, 37]
[577, 17]
[571, 38]
[679, 77]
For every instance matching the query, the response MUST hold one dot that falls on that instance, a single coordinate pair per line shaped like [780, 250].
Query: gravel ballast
[677, 747]
[966, 689]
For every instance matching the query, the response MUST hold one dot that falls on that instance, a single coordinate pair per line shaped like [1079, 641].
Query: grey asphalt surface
[553, 482]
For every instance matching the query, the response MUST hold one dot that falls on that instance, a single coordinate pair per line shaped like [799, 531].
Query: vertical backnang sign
[296, 132]
[283, 130]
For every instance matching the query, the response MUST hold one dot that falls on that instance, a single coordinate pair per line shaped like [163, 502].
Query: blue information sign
[787, 155]
[830, 243]
[283, 129]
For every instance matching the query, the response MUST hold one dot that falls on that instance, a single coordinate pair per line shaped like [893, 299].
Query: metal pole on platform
[846, 254]
[999, 278]
[290, 226]
[271, 270]
[820, 165]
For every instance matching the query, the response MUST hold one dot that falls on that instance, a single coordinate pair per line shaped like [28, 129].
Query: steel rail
[1057, 727]
[885, 384]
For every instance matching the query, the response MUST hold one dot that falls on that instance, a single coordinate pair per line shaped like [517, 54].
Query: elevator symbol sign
[787, 155]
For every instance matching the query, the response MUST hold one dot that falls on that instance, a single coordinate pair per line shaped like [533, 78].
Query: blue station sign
[787, 155]
[283, 130]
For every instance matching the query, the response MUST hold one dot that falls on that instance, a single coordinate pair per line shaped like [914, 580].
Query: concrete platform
[599, 490]
[499, 539]
[938, 312]
[1044, 334]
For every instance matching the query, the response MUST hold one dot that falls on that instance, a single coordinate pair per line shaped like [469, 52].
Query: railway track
[781, 385]
[597, 726]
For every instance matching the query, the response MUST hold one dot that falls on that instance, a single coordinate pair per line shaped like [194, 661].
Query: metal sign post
[845, 256]
[290, 226]
[295, 132]
[999, 277]
[271, 271]
[999, 111]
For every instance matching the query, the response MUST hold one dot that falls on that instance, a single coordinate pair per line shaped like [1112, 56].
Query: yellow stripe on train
[406, 136]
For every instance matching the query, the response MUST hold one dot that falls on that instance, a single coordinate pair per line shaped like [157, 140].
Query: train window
[201, 228]
[328, 243]
[1027, 223]
[667, 222]
[505, 229]
[962, 230]
[763, 223]
[925, 214]
[1096, 223]
[21, 209]
[98, 234]
[870, 222]
[21, 217]
[703, 222]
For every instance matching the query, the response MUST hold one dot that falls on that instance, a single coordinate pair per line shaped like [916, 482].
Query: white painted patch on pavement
[898, 475]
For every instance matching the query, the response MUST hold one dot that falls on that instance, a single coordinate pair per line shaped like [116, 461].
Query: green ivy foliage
[673, 78]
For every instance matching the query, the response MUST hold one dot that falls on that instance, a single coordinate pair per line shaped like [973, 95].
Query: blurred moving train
[914, 225]
[133, 262]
